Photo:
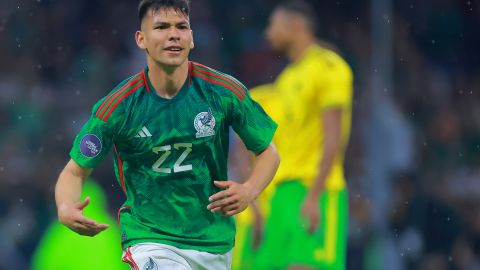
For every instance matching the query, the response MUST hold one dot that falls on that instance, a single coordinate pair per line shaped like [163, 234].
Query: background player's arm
[67, 195]
[236, 197]
[332, 123]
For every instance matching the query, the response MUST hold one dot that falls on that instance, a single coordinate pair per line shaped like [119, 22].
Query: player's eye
[162, 26]
[182, 27]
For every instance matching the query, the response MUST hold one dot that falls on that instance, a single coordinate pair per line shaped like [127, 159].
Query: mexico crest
[204, 123]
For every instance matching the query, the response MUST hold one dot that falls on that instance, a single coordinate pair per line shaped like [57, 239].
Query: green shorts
[286, 241]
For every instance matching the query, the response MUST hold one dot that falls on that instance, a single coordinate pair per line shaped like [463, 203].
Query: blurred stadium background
[414, 155]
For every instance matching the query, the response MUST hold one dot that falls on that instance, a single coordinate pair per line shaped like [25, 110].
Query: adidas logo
[143, 133]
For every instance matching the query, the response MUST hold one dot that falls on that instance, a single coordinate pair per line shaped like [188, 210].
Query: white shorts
[154, 256]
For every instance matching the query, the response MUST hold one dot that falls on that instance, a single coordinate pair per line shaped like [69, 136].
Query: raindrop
[21, 200]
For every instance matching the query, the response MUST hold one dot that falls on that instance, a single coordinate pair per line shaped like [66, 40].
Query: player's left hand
[233, 199]
[311, 212]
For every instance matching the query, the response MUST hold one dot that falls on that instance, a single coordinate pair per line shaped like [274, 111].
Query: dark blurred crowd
[57, 58]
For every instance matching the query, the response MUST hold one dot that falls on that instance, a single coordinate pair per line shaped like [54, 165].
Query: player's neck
[300, 46]
[167, 81]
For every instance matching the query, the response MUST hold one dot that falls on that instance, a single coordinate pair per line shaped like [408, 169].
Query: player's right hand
[72, 217]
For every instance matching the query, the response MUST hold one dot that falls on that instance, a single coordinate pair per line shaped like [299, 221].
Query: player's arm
[264, 168]
[69, 207]
[332, 123]
[236, 197]
[334, 94]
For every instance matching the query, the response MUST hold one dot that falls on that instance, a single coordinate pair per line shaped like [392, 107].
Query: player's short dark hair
[154, 5]
[301, 8]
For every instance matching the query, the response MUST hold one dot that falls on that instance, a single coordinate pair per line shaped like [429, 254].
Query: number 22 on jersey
[167, 151]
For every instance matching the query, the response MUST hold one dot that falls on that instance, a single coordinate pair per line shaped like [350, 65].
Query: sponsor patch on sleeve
[90, 146]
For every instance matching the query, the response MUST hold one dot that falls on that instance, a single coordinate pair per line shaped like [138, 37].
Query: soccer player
[168, 127]
[306, 226]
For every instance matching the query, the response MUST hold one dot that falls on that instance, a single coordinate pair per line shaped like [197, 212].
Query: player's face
[166, 36]
[279, 31]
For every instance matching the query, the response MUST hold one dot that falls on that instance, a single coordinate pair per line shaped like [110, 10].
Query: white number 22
[167, 151]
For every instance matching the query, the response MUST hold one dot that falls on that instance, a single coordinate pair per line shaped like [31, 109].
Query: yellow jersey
[321, 80]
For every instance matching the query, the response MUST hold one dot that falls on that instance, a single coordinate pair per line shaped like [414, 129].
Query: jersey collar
[181, 93]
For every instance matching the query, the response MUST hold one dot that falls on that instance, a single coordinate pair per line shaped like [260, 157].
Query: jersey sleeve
[336, 85]
[252, 124]
[94, 139]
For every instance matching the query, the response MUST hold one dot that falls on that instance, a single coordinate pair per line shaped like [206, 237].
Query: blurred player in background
[168, 126]
[306, 217]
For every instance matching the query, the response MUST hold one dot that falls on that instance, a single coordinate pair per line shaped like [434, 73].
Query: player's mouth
[174, 49]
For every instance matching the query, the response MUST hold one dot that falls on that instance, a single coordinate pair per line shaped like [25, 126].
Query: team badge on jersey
[90, 146]
[204, 124]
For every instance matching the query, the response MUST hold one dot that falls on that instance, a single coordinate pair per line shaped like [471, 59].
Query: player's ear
[140, 39]
[192, 44]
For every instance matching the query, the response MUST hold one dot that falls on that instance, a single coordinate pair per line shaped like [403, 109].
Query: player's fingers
[219, 203]
[223, 184]
[91, 230]
[86, 221]
[103, 227]
[219, 195]
[230, 207]
[83, 203]
[216, 209]
[232, 212]
[80, 229]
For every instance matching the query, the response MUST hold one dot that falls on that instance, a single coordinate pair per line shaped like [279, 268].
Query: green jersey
[168, 152]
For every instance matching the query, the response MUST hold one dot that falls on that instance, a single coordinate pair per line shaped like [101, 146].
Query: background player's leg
[275, 246]
[326, 247]
[333, 241]
[243, 252]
